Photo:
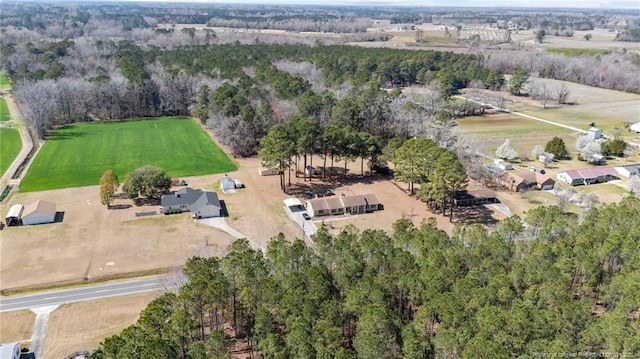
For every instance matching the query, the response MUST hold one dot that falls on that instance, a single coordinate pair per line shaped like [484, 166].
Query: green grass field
[78, 155]
[4, 111]
[10, 145]
[4, 82]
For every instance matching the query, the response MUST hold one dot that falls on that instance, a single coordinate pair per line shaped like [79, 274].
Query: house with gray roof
[629, 170]
[201, 204]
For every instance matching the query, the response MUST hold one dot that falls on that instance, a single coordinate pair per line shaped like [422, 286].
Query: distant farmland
[77, 155]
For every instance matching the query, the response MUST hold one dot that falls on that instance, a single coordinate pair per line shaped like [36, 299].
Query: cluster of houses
[354, 204]
[38, 212]
[523, 181]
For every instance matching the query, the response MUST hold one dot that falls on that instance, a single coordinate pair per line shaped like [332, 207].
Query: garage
[39, 212]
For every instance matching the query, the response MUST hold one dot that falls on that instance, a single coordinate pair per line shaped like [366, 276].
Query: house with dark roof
[200, 203]
[512, 181]
[539, 180]
[354, 204]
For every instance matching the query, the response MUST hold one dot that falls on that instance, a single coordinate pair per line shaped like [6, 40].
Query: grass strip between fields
[10, 145]
[4, 111]
[77, 155]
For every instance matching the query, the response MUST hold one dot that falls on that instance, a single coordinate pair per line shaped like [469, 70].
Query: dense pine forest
[535, 286]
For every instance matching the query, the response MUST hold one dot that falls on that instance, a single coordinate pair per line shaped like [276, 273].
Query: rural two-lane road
[79, 294]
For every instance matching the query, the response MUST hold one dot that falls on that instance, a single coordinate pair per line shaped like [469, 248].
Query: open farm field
[601, 39]
[490, 131]
[607, 108]
[82, 326]
[4, 111]
[10, 144]
[16, 326]
[82, 152]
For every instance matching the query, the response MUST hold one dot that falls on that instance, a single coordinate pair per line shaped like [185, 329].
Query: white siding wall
[38, 218]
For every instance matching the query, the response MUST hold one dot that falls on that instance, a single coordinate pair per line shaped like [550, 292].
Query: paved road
[79, 294]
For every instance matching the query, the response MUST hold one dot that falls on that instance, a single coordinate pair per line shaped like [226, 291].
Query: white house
[594, 133]
[10, 350]
[502, 164]
[587, 175]
[227, 183]
[629, 170]
[39, 212]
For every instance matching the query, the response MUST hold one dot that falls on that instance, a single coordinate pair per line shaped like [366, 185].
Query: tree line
[537, 285]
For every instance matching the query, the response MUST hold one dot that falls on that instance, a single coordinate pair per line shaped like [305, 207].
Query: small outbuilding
[502, 164]
[39, 212]
[13, 216]
[238, 183]
[595, 133]
[262, 171]
[635, 128]
[227, 183]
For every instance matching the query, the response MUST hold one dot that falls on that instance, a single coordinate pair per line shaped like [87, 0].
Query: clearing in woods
[82, 152]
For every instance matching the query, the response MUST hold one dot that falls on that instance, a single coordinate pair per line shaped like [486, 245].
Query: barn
[13, 216]
[39, 212]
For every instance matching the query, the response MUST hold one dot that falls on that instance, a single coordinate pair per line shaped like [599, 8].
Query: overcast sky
[597, 4]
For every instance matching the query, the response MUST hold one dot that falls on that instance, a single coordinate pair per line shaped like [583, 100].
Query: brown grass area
[96, 242]
[601, 39]
[491, 130]
[16, 325]
[94, 321]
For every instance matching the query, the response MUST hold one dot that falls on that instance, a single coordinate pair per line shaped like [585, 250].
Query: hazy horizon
[567, 4]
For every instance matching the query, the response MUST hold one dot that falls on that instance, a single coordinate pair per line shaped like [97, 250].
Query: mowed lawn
[4, 111]
[4, 82]
[77, 155]
[10, 145]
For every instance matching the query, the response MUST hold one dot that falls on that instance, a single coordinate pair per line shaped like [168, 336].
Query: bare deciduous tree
[634, 185]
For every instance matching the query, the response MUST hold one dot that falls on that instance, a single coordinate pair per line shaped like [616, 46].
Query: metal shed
[13, 216]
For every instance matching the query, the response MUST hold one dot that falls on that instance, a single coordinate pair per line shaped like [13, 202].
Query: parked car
[306, 216]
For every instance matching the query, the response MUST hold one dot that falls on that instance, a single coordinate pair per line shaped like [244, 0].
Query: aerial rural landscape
[200, 180]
